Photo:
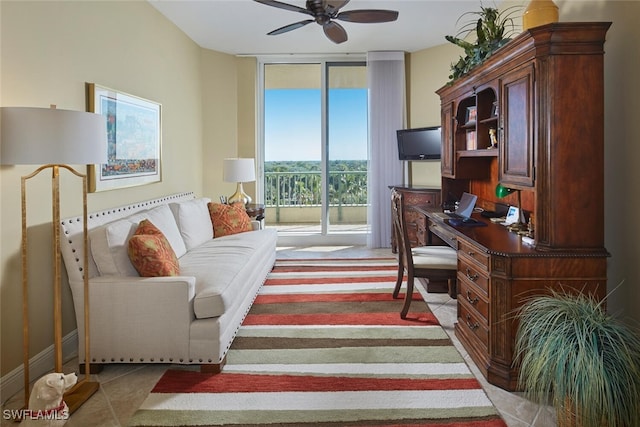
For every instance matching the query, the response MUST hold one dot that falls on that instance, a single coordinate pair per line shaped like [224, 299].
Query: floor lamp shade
[53, 139]
[239, 171]
[41, 136]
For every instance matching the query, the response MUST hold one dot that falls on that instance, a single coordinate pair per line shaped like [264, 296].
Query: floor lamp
[54, 138]
[239, 171]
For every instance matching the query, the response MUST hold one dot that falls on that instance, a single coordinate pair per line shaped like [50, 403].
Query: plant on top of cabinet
[492, 28]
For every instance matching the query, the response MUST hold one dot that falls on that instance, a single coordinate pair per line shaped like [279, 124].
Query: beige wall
[229, 92]
[427, 71]
[219, 116]
[49, 50]
[247, 110]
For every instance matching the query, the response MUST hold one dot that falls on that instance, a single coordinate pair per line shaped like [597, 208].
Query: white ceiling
[240, 26]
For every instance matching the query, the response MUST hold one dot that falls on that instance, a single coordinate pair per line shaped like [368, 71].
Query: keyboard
[462, 221]
[453, 215]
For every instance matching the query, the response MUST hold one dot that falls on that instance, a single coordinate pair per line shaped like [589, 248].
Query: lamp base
[79, 394]
[239, 196]
[517, 227]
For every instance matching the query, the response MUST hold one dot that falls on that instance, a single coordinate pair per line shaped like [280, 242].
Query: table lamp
[501, 192]
[239, 171]
[54, 138]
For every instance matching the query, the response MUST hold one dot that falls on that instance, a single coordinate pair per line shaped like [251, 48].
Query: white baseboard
[40, 364]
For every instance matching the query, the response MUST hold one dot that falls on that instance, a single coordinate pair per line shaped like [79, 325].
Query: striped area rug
[324, 345]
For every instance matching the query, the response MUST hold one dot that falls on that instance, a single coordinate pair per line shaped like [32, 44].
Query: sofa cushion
[194, 221]
[109, 243]
[109, 248]
[229, 219]
[150, 252]
[163, 218]
[222, 268]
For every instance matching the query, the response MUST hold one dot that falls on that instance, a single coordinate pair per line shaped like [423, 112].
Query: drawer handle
[472, 301]
[472, 277]
[472, 326]
[471, 253]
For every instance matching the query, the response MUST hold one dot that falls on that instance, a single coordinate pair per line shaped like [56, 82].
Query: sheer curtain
[386, 115]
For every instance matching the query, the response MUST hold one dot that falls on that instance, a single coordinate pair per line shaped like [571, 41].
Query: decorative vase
[539, 12]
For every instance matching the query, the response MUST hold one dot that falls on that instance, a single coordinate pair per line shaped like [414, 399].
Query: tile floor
[124, 387]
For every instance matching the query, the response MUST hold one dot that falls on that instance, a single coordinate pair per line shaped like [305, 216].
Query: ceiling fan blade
[335, 32]
[285, 6]
[290, 27]
[367, 16]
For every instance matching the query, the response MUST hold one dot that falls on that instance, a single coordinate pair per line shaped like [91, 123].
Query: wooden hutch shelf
[481, 152]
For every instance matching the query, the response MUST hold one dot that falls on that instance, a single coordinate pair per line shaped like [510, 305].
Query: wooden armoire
[542, 96]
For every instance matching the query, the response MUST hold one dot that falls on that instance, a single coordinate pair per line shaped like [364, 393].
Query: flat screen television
[419, 143]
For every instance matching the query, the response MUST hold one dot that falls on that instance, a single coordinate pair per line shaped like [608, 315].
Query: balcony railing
[347, 189]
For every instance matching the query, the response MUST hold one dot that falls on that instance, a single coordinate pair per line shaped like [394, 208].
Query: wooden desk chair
[430, 262]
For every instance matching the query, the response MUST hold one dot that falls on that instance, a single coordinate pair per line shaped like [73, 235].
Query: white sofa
[186, 319]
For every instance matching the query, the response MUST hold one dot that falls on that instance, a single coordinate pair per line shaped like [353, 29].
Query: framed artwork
[134, 134]
[471, 115]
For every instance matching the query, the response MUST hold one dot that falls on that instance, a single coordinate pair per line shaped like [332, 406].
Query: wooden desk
[496, 273]
[416, 225]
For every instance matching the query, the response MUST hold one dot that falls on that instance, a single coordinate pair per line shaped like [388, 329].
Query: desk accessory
[519, 224]
[467, 222]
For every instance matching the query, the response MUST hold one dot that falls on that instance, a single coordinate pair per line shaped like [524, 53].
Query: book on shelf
[472, 142]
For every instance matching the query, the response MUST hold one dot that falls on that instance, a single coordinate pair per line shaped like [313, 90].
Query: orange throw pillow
[150, 252]
[229, 219]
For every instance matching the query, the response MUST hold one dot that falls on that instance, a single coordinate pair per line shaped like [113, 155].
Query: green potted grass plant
[571, 353]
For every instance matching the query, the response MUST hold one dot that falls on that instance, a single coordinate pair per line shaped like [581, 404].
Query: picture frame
[134, 139]
[472, 114]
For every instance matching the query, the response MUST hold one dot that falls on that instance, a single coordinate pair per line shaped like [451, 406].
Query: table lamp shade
[40, 136]
[239, 170]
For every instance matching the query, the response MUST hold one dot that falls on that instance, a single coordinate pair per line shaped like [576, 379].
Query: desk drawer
[475, 299]
[469, 271]
[472, 324]
[416, 228]
[447, 236]
[474, 253]
[419, 198]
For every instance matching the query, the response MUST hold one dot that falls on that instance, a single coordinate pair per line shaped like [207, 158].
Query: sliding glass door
[346, 146]
[293, 146]
[314, 148]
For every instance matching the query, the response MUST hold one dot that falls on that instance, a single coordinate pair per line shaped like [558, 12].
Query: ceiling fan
[324, 12]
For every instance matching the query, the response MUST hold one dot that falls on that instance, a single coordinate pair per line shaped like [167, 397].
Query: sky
[292, 124]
